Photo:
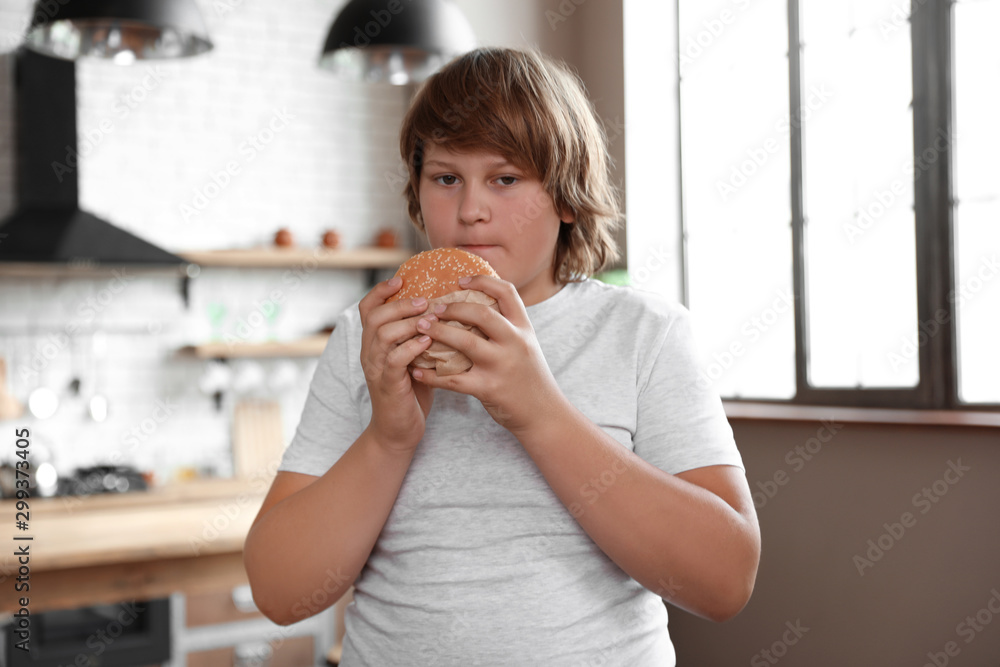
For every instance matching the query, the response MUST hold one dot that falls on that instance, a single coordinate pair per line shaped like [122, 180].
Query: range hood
[47, 225]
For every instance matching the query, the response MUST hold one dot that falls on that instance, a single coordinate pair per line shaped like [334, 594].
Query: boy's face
[484, 204]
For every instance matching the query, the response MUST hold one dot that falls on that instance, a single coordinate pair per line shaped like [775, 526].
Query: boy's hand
[509, 374]
[390, 342]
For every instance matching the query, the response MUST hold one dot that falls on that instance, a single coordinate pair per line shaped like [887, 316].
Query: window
[840, 203]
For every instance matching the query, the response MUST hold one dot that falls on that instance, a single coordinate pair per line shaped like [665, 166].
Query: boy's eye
[507, 180]
[447, 179]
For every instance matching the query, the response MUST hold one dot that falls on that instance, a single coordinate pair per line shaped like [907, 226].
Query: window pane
[735, 166]
[858, 172]
[977, 214]
[977, 295]
[977, 99]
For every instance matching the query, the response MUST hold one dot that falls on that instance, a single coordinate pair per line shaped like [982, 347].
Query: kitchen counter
[105, 548]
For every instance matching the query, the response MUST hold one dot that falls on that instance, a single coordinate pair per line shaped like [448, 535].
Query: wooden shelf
[57, 270]
[264, 257]
[324, 258]
[310, 346]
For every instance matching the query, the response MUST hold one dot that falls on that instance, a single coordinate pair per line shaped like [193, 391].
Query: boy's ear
[567, 215]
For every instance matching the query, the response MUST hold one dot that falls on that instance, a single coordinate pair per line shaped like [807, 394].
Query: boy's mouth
[476, 249]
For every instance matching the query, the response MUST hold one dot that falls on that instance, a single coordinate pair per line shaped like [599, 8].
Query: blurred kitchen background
[305, 151]
[858, 396]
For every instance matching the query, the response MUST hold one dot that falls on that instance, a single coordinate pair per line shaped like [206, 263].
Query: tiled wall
[303, 151]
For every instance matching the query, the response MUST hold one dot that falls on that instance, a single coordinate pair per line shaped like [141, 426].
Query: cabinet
[211, 629]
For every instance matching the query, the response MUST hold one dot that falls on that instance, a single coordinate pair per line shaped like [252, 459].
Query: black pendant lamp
[119, 30]
[395, 41]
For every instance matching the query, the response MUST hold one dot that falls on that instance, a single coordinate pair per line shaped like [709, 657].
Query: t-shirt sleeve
[331, 418]
[681, 424]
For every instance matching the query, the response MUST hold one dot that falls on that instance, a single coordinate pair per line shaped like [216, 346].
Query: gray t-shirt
[479, 563]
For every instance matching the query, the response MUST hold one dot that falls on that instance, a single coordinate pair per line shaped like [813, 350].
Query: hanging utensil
[98, 403]
[73, 389]
[42, 401]
[214, 380]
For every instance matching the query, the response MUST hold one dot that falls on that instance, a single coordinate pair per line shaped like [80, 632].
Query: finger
[504, 292]
[395, 332]
[392, 378]
[469, 382]
[429, 378]
[377, 295]
[401, 356]
[486, 319]
[474, 347]
[375, 319]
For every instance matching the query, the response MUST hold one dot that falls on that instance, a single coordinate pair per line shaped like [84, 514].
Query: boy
[536, 509]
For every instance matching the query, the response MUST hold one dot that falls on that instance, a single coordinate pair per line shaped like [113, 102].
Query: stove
[101, 479]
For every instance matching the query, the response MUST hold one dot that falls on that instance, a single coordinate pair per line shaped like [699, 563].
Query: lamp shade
[395, 41]
[121, 30]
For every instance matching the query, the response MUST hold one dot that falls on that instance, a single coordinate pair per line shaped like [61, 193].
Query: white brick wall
[152, 138]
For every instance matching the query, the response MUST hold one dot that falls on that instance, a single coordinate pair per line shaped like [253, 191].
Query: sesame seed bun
[434, 273]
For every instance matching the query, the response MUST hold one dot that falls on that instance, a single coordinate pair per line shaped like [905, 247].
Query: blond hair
[535, 113]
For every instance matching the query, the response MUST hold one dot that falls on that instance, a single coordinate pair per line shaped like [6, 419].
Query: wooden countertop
[180, 521]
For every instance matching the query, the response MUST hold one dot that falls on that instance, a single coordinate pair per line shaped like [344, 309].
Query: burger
[434, 275]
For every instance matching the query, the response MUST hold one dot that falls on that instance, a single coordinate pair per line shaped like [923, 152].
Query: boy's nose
[473, 207]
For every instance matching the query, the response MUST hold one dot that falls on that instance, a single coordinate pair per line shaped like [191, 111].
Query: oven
[127, 634]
